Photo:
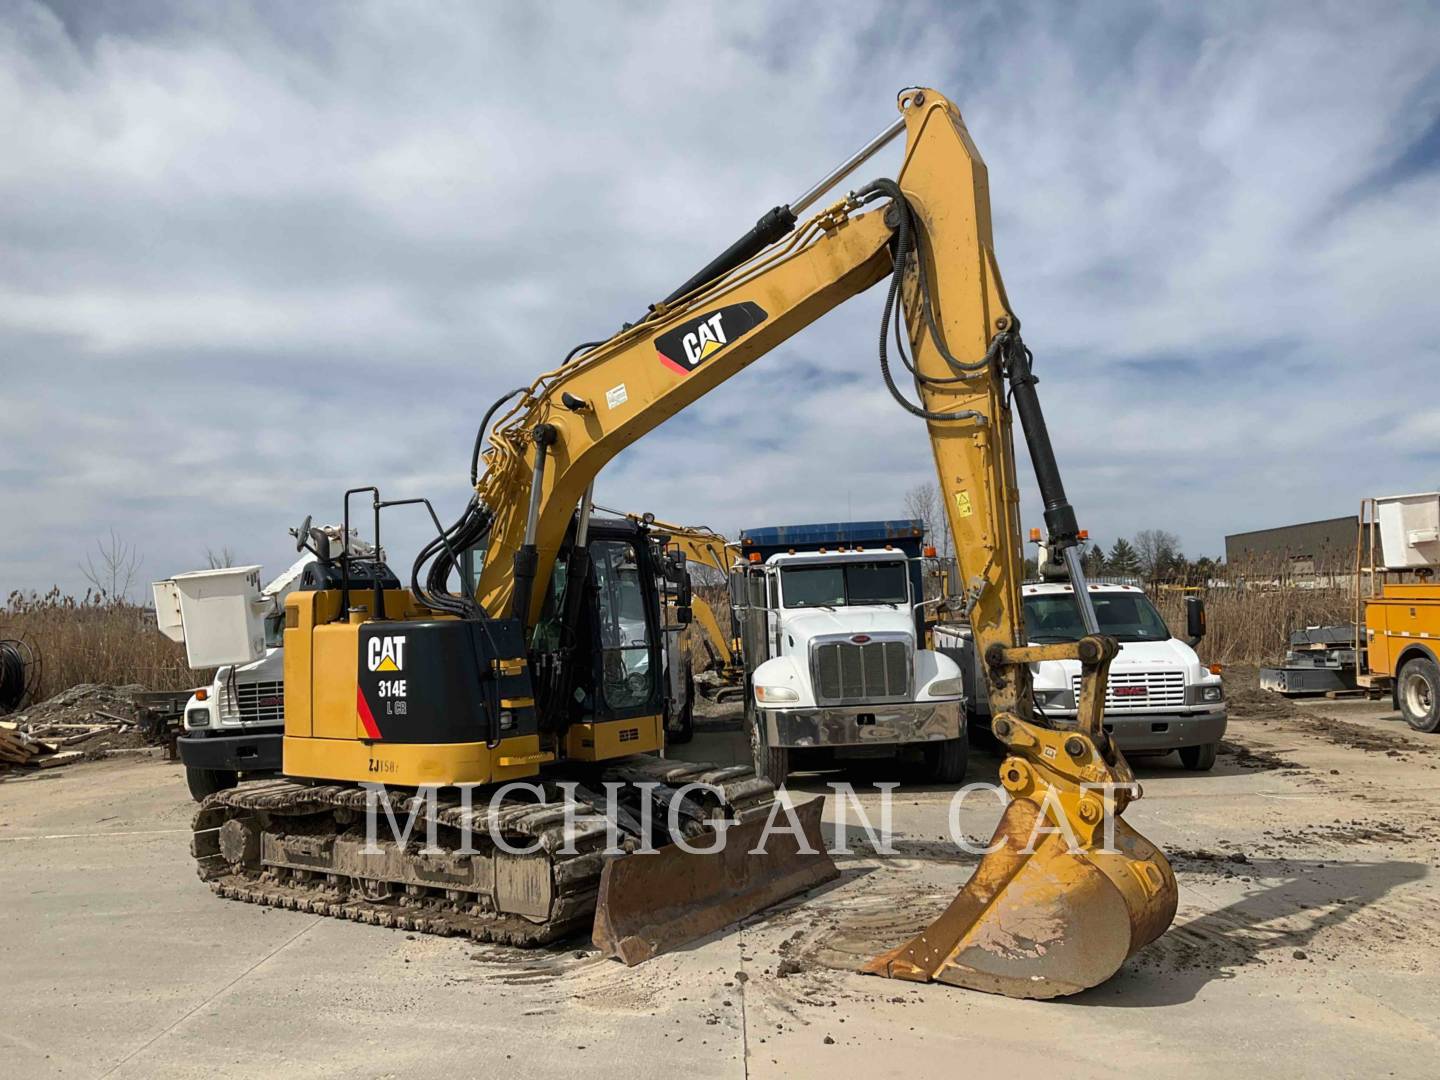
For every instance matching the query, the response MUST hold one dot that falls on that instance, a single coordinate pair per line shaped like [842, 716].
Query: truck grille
[849, 673]
[1130, 691]
[257, 703]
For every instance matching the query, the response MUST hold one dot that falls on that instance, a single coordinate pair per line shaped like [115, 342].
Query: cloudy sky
[253, 254]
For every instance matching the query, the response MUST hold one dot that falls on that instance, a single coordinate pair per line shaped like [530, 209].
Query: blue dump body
[906, 536]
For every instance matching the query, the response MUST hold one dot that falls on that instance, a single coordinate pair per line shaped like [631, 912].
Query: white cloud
[251, 255]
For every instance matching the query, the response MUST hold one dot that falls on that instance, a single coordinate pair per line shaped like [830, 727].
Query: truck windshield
[1125, 616]
[844, 584]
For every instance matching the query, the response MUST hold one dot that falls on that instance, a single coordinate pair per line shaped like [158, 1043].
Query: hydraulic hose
[904, 248]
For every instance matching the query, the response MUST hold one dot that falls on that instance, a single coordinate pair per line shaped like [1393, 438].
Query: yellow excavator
[547, 669]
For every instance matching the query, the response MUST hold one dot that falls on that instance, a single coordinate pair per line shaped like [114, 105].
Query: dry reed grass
[94, 639]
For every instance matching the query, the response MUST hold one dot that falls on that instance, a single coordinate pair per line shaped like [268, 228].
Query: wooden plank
[89, 733]
[51, 760]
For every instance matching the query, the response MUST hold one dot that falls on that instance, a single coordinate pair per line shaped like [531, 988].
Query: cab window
[627, 673]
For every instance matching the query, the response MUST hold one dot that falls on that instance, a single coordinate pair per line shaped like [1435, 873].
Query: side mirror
[1194, 619]
[683, 615]
[675, 569]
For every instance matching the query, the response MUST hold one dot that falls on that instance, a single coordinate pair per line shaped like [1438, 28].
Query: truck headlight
[1207, 694]
[946, 688]
[197, 718]
[1055, 699]
[775, 695]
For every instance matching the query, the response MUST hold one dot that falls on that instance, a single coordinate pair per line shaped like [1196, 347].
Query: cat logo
[686, 347]
[386, 653]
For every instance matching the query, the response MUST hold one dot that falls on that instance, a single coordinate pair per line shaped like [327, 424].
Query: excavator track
[297, 845]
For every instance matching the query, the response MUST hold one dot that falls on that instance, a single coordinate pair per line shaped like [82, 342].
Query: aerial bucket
[1044, 924]
[654, 902]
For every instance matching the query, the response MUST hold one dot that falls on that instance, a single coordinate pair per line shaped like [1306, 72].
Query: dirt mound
[113, 712]
[80, 704]
[1358, 736]
[1247, 701]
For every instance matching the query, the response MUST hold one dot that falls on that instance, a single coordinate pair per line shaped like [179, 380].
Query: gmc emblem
[1131, 691]
[860, 639]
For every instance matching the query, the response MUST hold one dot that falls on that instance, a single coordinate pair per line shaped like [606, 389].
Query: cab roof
[876, 554]
[1041, 588]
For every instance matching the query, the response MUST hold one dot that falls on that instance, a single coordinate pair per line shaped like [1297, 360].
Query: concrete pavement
[1311, 956]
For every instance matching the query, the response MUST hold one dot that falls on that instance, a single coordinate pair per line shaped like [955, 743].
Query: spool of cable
[19, 673]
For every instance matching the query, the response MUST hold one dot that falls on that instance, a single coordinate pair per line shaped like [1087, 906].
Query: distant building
[1311, 551]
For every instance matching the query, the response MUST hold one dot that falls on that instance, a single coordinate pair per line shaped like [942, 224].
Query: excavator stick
[1045, 924]
[655, 902]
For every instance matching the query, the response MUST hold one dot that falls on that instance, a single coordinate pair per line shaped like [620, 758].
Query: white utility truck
[1160, 697]
[235, 726]
[832, 622]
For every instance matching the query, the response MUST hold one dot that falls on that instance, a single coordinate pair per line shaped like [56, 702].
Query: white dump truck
[1160, 696]
[235, 726]
[832, 624]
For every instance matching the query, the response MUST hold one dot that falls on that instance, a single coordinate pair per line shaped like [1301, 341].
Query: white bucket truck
[235, 726]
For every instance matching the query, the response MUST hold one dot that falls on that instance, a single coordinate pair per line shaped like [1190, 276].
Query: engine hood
[1172, 654]
[809, 623]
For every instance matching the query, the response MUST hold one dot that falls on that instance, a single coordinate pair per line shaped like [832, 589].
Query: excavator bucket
[652, 903]
[1044, 924]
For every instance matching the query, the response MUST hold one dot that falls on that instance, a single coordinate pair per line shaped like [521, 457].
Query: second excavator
[543, 667]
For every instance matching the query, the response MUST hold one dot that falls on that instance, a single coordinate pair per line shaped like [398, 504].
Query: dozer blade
[1045, 924]
[652, 903]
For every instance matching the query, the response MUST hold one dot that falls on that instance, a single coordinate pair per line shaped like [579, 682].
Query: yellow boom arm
[1042, 916]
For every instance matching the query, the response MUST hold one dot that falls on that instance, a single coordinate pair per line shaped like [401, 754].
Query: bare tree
[220, 560]
[114, 573]
[923, 503]
[1158, 551]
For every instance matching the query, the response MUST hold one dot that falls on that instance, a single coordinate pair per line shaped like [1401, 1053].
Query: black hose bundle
[19, 674]
[908, 235]
[442, 554]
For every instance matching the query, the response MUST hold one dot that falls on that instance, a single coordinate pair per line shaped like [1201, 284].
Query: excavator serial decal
[691, 343]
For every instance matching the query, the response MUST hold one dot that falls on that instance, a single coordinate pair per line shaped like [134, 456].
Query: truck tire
[1199, 758]
[945, 762]
[771, 762]
[1418, 691]
[203, 782]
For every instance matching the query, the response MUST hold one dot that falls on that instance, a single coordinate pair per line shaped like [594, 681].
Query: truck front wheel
[945, 762]
[771, 762]
[1419, 692]
[203, 782]
[1199, 758]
